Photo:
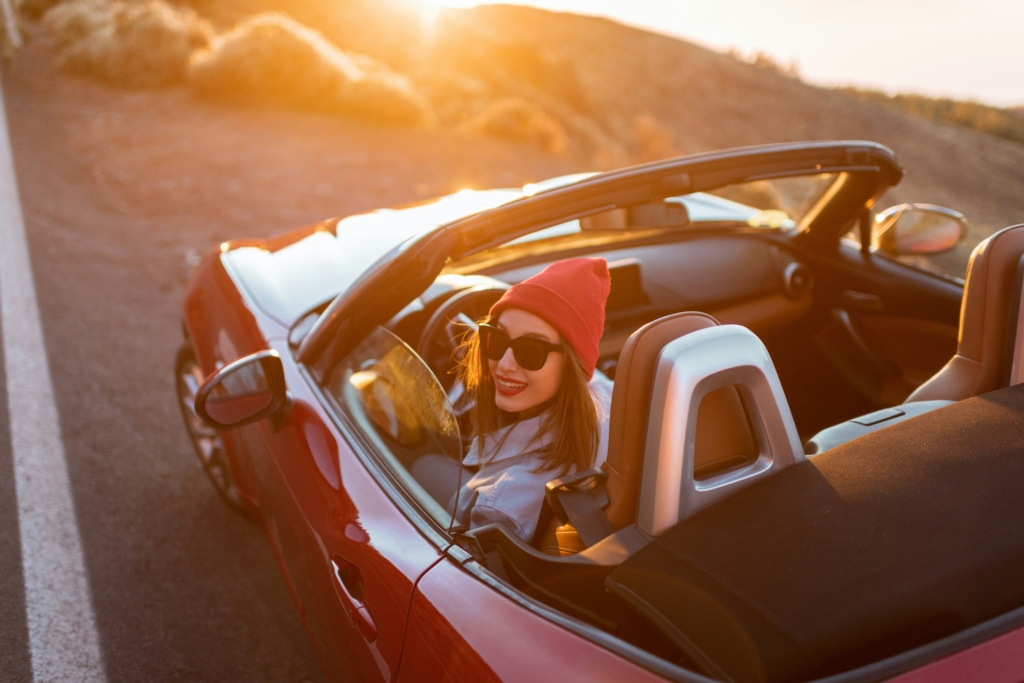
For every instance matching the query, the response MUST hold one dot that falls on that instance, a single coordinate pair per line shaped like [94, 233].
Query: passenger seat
[990, 351]
[989, 323]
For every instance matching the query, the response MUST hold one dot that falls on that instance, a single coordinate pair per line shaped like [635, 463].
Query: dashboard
[738, 279]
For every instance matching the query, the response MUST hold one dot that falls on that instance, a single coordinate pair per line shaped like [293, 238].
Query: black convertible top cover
[897, 539]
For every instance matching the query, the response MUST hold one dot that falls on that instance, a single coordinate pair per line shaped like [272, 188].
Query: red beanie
[570, 296]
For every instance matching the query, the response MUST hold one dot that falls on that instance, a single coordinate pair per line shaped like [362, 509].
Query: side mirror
[245, 391]
[916, 229]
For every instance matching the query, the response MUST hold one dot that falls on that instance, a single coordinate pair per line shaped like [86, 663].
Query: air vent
[797, 280]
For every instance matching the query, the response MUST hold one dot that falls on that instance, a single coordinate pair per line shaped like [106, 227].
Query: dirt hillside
[174, 176]
[598, 95]
[621, 79]
[709, 100]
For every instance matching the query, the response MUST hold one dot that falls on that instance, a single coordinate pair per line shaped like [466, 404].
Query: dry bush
[473, 105]
[72, 24]
[516, 67]
[456, 98]
[1003, 123]
[34, 9]
[587, 140]
[271, 59]
[517, 119]
[136, 44]
[652, 141]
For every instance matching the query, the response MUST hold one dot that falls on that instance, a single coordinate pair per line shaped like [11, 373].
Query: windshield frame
[581, 239]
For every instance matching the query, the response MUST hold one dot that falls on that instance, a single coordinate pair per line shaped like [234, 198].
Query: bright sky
[967, 49]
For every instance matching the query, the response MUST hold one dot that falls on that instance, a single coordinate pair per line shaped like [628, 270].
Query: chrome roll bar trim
[688, 369]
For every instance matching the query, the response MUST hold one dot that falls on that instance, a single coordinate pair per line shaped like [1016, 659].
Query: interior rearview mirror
[915, 229]
[245, 391]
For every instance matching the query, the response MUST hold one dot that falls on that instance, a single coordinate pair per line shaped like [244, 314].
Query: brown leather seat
[723, 433]
[987, 323]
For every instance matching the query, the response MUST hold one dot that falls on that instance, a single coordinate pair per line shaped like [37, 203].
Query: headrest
[631, 403]
[689, 370]
[1014, 357]
[723, 435]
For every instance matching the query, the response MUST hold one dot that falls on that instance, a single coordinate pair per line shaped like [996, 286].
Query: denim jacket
[506, 489]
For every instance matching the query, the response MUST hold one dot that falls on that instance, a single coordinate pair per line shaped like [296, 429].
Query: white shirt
[506, 489]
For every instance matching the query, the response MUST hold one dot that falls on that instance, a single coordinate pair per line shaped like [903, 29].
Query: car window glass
[570, 228]
[775, 203]
[771, 203]
[401, 409]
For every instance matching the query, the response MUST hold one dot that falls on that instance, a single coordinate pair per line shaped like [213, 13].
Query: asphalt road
[122, 191]
[183, 589]
[14, 655]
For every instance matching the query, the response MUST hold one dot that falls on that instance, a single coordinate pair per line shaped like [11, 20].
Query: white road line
[61, 626]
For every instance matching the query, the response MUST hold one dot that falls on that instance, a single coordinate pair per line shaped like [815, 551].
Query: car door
[465, 626]
[888, 327]
[350, 555]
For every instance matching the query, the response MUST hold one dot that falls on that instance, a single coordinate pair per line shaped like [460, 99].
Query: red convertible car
[816, 451]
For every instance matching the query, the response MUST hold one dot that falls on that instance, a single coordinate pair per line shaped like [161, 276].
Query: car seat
[989, 323]
[990, 350]
[726, 435]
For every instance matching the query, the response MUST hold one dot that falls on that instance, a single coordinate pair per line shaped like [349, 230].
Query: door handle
[348, 583]
[880, 364]
[863, 300]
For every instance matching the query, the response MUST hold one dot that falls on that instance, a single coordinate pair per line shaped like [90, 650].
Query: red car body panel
[317, 502]
[328, 509]
[463, 630]
[1000, 660]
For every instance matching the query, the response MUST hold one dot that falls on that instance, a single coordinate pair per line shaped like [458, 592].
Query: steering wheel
[456, 316]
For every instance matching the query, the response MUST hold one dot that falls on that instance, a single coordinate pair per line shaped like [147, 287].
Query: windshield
[769, 204]
[401, 408]
[772, 203]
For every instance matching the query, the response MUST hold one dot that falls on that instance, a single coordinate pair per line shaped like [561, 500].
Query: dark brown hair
[573, 414]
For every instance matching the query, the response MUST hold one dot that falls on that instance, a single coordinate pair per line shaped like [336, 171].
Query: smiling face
[516, 389]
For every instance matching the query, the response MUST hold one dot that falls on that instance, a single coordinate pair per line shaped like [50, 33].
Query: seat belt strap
[581, 505]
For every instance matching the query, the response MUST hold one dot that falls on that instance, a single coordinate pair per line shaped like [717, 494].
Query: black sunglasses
[531, 353]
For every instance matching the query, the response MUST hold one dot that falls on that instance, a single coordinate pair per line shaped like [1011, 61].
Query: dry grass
[34, 9]
[132, 44]
[271, 59]
[1003, 123]
[73, 23]
[518, 119]
[652, 141]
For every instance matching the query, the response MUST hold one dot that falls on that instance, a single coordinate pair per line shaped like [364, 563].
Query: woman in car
[540, 412]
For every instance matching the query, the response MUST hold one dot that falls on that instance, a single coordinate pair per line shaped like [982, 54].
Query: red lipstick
[508, 391]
